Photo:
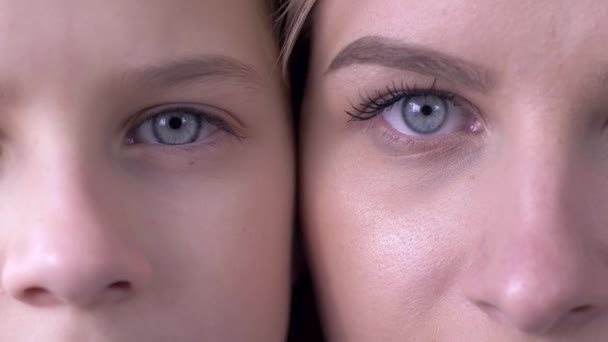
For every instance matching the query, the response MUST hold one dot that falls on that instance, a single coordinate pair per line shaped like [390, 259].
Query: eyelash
[370, 107]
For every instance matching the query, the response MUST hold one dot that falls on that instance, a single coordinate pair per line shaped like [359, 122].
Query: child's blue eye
[174, 126]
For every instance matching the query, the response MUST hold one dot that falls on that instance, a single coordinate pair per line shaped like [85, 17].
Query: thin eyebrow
[178, 72]
[393, 54]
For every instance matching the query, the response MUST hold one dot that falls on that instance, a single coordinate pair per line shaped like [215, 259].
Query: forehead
[66, 33]
[512, 28]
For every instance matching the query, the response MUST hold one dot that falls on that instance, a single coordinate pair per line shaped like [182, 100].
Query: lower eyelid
[412, 143]
[398, 144]
[211, 148]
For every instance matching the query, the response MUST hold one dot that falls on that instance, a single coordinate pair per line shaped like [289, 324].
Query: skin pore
[454, 169]
[146, 172]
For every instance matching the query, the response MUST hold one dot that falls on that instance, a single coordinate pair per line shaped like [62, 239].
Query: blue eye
[424, 114]
[416, 112]
[174, 126]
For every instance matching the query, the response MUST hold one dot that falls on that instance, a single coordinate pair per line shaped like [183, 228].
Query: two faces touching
[453, 163]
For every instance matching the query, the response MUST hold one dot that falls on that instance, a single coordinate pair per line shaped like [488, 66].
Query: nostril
[581, 309]
[34, 292]
[118, 291]
[120, 285]
[38, 296]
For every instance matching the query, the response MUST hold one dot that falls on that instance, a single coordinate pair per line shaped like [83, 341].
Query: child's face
[145, 172]
[466, 200]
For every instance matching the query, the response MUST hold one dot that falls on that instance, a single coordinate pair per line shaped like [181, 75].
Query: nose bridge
[539, 169]
[71, 248]
[544, 233]
[63, 182]
[542, 159]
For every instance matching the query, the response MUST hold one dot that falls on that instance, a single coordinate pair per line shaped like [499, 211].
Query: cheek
[219, 235]
[378, 238]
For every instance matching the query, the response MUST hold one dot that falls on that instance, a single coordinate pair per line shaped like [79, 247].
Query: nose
[532, 288]
[74, 270]
[540, 266]
[73, 250]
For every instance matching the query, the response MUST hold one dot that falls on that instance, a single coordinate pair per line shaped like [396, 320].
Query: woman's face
[456, 169]
[146, 172]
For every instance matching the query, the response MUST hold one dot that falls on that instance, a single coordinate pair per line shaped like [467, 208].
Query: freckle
[472, 177]
[191, 163]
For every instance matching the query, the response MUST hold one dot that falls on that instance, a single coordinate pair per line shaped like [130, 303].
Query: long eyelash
[372, 106]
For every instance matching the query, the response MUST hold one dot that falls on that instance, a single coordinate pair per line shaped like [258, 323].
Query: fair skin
[470, 206]
[146, 172]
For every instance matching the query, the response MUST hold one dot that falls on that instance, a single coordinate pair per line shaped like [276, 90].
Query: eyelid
[399, 144]
[206, 112]
[370, 107]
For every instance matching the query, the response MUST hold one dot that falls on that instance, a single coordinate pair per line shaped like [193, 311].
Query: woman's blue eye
[426, 115]
[173, 126]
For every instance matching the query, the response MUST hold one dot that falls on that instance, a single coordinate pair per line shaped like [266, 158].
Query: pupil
[426, 110]
[175, 123]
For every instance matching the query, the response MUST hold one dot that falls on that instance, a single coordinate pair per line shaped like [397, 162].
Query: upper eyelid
[211, 118]
[371, 106]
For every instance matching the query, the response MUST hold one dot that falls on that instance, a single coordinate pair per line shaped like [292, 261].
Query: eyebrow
[183, 71]
[394, 54]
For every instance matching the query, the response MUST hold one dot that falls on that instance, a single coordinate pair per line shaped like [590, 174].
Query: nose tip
[79, 281]
[537, 311]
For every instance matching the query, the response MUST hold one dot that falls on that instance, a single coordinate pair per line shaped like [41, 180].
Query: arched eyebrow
[175, 73]
[394, 54]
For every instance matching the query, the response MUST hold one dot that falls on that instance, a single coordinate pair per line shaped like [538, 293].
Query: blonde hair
[295, 13]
